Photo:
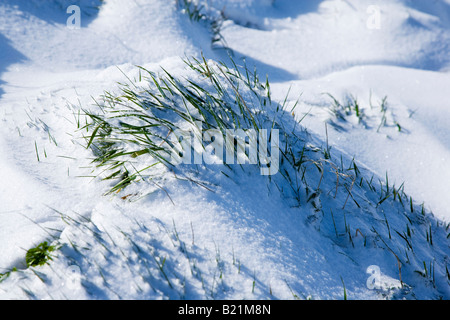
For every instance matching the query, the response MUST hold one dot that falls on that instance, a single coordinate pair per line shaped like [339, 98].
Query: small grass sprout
[39, 255]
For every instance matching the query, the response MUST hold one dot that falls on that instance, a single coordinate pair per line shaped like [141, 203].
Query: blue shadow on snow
[8, 56]
[55, 11]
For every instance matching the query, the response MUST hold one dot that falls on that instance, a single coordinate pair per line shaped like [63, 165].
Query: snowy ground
[247, 238]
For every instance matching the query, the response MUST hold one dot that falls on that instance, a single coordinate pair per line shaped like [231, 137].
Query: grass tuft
[142, 122]
[39, 255]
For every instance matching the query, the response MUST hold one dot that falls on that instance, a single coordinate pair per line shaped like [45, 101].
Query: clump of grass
[351, 107]
[132, 137]
[141, 121]
[197, 13]
[192, 9]
[39, 255]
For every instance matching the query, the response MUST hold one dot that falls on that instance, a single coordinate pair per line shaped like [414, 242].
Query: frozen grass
[130, 134]
[160, 263]
[373, 115]
[140, 122]
[40, 255]
[213, 21]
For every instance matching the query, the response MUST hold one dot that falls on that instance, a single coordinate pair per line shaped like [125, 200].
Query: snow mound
[321, 222]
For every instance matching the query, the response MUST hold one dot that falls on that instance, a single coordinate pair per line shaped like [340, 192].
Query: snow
[248, 238]
[424, 141]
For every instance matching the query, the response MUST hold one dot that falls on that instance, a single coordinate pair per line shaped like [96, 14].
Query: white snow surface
[245, 239]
